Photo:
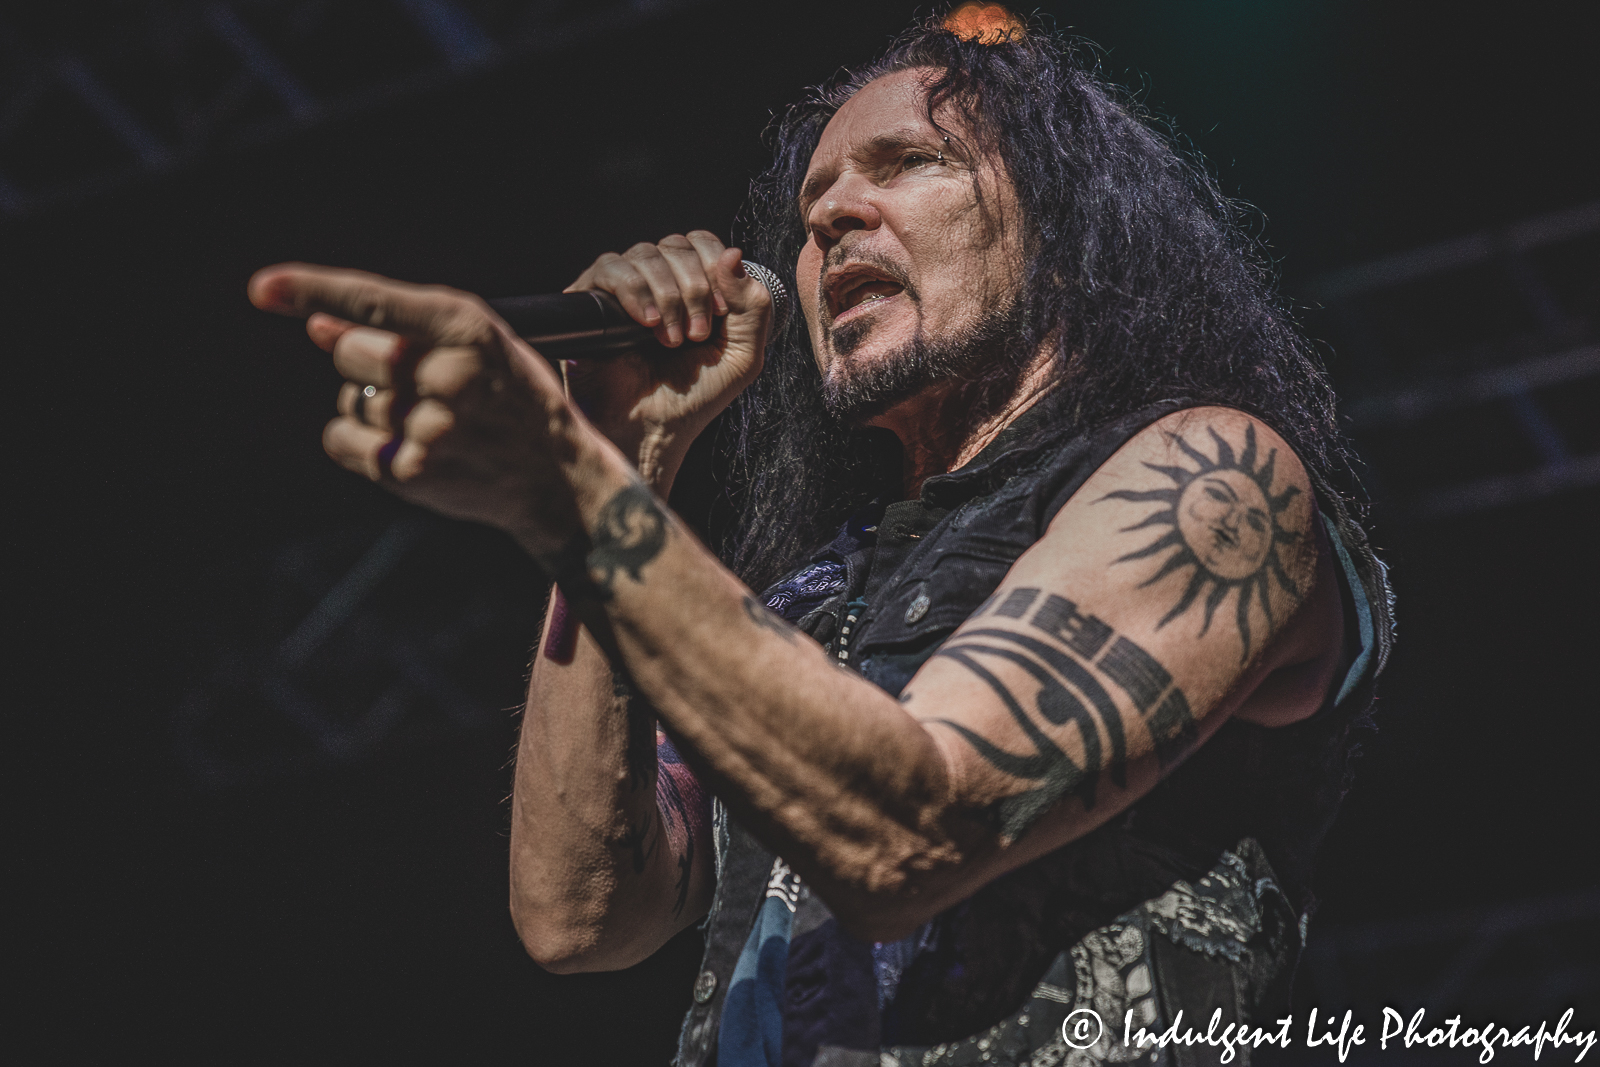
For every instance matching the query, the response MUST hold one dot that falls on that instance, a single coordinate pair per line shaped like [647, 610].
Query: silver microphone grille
[780, 294]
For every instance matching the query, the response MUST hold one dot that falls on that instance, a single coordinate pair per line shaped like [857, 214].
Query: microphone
[592, 324]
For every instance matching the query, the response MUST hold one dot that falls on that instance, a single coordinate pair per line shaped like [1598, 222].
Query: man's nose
[848, 204]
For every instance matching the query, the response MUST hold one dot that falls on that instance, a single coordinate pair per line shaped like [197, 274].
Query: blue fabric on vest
[1364, 628]
[751, 1031]
[752, 1018]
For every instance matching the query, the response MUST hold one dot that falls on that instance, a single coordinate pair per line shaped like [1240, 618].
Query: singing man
[1028, 682]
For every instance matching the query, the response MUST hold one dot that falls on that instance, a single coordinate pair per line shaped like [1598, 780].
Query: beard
[986, 354]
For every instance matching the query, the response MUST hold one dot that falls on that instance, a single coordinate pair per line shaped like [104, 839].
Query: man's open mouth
[856, 287]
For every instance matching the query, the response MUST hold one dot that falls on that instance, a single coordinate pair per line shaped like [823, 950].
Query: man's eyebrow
[897, 139]
[883, 144]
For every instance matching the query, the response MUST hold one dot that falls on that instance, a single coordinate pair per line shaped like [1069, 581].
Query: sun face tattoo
[1224, 524]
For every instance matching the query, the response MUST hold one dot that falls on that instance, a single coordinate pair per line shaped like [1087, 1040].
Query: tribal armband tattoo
[1225, 525]
[1075, 660]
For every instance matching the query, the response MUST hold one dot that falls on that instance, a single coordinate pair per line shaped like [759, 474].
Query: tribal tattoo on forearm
[1072, 657]
[640, 753]
[641, 719]
[1223, 519]
[641, 840]
[654, 764]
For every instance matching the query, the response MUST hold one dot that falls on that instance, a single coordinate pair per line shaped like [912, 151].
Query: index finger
[424, 312]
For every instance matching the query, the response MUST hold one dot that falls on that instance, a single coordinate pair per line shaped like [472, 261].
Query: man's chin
[868, 376]
[866, 384]
[856, 411]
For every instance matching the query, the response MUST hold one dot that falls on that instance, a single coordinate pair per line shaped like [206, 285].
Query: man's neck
[942, 428]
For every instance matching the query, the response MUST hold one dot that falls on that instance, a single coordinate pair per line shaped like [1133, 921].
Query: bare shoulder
[1197, 533]
[1182, 584]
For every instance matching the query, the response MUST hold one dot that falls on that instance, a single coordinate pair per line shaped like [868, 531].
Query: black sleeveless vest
[1193, 899]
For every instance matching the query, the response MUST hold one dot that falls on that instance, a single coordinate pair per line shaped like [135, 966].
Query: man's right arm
[611, 848]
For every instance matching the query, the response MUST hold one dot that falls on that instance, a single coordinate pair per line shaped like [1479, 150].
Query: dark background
[204, 877]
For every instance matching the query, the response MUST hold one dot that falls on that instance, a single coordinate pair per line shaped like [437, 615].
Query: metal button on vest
[704, 987]
[918, 608]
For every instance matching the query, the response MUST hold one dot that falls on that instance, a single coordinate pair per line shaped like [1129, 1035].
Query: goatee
[987, 353]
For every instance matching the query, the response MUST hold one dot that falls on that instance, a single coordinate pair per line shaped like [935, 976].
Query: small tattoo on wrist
[767, 620]
[630, 531]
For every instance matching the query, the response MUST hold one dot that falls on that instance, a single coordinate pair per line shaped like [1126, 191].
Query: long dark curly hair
[1139, 275]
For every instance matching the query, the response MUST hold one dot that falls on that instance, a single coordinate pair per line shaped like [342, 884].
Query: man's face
[904, 279]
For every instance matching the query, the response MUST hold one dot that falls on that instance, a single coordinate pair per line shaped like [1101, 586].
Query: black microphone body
[592, 324]
[572, 325]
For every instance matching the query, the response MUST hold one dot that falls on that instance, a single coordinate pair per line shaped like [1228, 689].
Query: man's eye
[915, 159]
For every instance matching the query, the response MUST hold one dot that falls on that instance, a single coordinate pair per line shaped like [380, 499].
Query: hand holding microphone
[709, 318]
[593, 324]
[446, 406]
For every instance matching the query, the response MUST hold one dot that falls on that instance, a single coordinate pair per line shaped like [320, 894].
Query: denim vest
[1194, 899]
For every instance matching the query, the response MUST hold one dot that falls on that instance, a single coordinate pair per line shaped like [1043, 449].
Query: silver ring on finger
[359, 410]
